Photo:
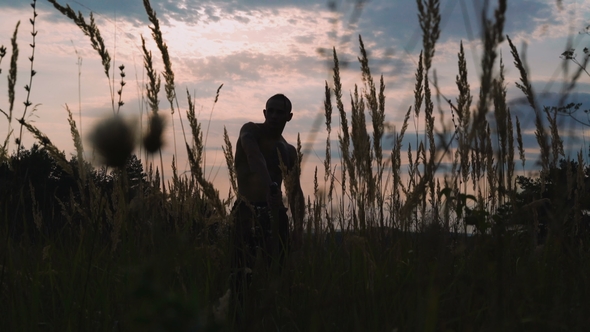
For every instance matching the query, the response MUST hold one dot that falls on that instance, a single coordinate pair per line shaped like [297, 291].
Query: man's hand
[274, 198]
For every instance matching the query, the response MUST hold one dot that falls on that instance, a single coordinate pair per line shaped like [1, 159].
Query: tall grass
[391, 244]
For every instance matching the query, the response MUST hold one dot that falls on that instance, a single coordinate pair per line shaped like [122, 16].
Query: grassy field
[389, 245]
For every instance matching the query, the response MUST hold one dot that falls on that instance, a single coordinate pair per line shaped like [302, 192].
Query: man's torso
[275, 151]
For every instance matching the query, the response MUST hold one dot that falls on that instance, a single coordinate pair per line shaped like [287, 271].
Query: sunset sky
[257, 48]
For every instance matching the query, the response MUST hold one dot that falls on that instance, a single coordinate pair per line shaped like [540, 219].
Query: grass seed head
[114, 141]
[152, 140]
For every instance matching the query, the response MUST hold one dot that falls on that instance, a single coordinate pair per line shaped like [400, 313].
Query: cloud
[188, 11]
[390, 21]
[247, 66]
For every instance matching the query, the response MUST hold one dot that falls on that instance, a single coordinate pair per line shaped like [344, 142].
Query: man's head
[277, 112]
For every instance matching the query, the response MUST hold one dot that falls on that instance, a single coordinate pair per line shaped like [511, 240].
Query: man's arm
[256, 161]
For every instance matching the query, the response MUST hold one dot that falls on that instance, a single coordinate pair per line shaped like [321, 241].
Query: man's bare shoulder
[291, 151]
[288, 145]
[250, 128]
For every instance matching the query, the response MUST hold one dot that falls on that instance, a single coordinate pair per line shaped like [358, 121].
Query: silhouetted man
[260, 218]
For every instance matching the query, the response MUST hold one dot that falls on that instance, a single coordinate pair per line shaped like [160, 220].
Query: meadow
[395, 242]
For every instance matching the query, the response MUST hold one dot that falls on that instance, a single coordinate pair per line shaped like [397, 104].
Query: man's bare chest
[274, 151]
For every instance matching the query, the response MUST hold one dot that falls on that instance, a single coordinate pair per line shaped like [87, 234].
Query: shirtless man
[260, 218]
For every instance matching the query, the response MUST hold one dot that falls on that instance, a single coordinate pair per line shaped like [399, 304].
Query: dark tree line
[36, 192]
[555, 205]
[38, 198]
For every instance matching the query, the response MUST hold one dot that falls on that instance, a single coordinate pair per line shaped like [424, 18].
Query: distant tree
[556, 203]
[35, 190]
[31, 184]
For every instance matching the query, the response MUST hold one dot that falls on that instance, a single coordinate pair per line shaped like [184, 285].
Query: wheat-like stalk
[152, 140]
[414, 171]
[195, 155]
[3, 149]
[360, 143]
[297, 203]
[92, 31]
[153, 85]
[429, 19]
[317, 204]
[418, 90]
[78, 145]
[54, 152]
[376, 105]
[207, 187]
[229, 160]
[397, 187]
[464, 115]
[343, 135]
[157, 35]
[328, 115]
[12, 73]
[492, 37]
[360, 155]
[527, 89]
[491, 172]
[556, 141]
[510, 155]
[168, 74]
[209, 122]
[197, 134]
[501, 114]
[520, 143]
[429, 161]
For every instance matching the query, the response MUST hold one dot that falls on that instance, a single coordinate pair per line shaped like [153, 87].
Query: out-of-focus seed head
[152, 140]
[114, 141]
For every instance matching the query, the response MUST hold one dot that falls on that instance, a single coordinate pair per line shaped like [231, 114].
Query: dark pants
[257, 230]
